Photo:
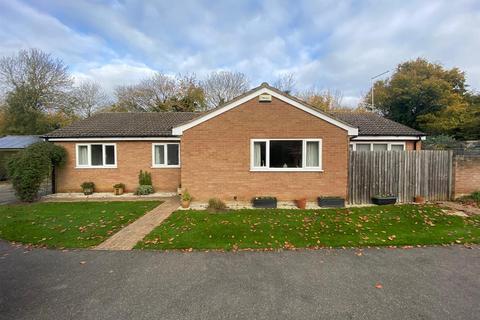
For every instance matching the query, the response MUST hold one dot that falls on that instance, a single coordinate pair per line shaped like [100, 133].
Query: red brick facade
[216, 154]
[132, 156]
[467, 174]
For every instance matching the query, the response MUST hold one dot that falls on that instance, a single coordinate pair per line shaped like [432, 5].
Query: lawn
[68, 224]
[260, 229]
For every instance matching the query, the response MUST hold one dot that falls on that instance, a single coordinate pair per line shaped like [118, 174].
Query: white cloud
[336, 45]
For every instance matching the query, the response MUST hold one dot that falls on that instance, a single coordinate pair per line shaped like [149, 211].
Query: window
[397, 147]
[380, 147]
[377, 146]
[96, 155]
[286, 155]
[165, 155]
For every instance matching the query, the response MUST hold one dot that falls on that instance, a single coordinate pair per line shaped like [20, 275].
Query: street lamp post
[374, 77]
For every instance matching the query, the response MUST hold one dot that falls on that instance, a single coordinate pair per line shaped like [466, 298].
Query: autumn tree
[161, 93]
[325, 100]
[420, 92]
[220, 87]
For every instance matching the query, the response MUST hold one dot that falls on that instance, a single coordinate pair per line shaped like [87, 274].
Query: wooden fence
[406, 174]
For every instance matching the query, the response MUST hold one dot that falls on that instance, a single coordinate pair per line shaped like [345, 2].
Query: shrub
[144, 178]
[186, 196]
[216, 204]
[87, 185]
[119, 186]
[30, 167]
[144, 190]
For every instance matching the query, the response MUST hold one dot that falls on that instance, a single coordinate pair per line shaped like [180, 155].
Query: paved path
[469, 210]
[420, 283]
[128, 237]
[7, 194]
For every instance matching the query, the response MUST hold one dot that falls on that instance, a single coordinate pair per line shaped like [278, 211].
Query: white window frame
[89, 155]
[389, 144]
[165, 165]
[304, 168]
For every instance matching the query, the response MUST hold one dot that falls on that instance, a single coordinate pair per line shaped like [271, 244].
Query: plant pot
[301, 203]
[118, 191]
[185, 203]
[381, 201]
[87, 191]
[179, 191]
[331, 202]
[419, 199]
[264, 202]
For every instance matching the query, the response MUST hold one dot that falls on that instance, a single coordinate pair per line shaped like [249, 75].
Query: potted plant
[186, 199]
[118, 189]
[87, 188]
[264, 202]
[331, 202]
[419, 199]
[383, 199]
[301, 203]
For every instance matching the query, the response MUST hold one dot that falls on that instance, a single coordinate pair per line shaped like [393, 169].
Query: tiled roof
[17, 142]
[371, 124]
[116, 124]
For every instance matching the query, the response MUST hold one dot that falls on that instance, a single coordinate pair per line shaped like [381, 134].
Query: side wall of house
[132, 156]
[216, 154]
[467, 174]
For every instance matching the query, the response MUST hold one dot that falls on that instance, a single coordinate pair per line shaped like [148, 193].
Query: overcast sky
[335, 45]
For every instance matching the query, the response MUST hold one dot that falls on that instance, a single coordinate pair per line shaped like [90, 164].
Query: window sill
[286, 170]
[96, 167]
[165, 167]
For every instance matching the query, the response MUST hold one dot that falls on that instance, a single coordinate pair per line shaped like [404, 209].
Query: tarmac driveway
[420, 283]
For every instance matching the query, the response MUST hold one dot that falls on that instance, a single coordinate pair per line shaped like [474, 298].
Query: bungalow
[263, 142]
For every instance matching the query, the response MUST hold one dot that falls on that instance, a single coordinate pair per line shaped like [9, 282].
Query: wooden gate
[406, 174]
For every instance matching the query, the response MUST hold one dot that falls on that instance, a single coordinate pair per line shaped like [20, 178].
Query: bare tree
[87, 98]
[285, 82]
[220, 87]
[161, 93]
[46, 77]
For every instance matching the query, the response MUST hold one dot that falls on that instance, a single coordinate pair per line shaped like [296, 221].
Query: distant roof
[371, 124]
[18, 142]
[127, 124]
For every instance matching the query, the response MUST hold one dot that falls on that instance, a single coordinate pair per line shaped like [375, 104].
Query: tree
[323, 100]
[220, 87]
[29, 168]
[418, 88]
[88, 98]
[161, 93]
[285, 83]
[45, 77]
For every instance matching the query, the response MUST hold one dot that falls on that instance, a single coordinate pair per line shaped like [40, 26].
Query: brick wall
[216, 154]
[467, 174]
[132, 156]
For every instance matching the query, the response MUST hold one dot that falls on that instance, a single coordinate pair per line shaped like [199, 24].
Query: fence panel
[405, 174]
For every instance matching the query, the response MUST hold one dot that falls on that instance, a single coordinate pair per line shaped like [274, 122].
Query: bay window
[96, 155]
[286, 155]
[166, 155]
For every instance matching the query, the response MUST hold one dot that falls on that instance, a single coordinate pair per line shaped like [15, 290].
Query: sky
[328, 45]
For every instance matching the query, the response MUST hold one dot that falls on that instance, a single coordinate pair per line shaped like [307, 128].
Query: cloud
[336, 45]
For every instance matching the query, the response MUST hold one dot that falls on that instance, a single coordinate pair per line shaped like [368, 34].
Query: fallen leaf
[378, 286]
[83, 262]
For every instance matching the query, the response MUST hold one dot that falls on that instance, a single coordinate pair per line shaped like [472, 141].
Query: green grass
[68, 224]
[260, 229]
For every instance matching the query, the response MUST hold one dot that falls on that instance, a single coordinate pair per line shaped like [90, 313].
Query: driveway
[420, 283]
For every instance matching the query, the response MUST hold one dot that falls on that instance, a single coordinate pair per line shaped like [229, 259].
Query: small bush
[119, 186]
[144, 190]
[87, 185]
[145, 178]
[30, 167]
[216, 204]
[186, 196]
